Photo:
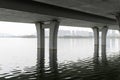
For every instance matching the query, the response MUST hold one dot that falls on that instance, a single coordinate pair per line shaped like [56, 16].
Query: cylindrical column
[53, 44]
[96, 42]
[118, 21]
[40, 45]
[103, 42]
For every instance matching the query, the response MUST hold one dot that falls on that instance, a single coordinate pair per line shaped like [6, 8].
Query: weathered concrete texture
[103, 43]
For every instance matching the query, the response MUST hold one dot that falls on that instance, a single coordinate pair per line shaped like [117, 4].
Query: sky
[27, 29]
[17, 28]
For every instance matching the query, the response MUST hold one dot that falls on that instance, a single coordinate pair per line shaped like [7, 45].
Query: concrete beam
[57, 12]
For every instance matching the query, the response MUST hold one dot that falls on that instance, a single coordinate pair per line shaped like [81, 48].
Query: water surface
[18, 60]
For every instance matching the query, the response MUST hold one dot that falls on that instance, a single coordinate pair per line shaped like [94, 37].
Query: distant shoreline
[68, 37]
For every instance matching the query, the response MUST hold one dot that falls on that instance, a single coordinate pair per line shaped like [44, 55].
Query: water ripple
[85, 69]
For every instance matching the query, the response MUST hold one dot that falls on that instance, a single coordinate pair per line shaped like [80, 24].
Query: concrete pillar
[118, 21]
[103, 43]
[40, 44]
[96, 42]
[53, 44]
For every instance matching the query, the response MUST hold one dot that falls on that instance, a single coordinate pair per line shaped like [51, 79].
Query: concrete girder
[50, 10]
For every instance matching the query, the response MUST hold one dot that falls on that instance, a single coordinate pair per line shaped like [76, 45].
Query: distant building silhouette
[63, 33]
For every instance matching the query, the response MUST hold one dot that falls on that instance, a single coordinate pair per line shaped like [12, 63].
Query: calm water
[18, 60]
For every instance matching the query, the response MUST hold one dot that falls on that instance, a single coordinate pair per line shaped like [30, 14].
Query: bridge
[100, 15]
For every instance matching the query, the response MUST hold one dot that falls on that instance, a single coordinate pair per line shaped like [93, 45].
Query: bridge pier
[53, 44]
[40, 44]
[53, 26]
[96, 42]
[118, 20]
[103, 43]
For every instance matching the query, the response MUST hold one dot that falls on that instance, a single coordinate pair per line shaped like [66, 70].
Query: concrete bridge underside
[80, 13]
[100, 15]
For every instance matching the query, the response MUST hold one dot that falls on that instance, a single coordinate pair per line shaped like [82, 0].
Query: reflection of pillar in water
[96, 42]
[96, 65]
[104, 35]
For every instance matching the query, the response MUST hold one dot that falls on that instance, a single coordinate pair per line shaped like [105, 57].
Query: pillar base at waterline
[96, 51]
[40, 57]
[103, 54]
[53, 59]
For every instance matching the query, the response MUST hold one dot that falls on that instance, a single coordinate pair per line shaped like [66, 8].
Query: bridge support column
[118, 21]
[103, 42]
[53, 44]
[40, 44]
[53, 26]
[96, 42]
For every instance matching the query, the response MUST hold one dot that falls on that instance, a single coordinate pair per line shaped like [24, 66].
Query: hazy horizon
[21, 29]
